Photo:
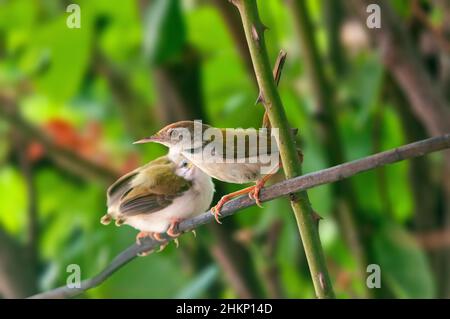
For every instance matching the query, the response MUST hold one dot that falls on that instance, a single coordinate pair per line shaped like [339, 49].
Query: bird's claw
[254, 194]
[172, 228]
[155, 236]
[141, 235]
[145, 253]
[172, 233]
[161, 248]
[215, 211]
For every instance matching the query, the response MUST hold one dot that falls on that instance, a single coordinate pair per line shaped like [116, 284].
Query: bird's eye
[173, 133]
[184, 163]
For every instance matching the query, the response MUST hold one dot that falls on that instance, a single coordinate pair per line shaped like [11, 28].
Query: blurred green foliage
[54, 72]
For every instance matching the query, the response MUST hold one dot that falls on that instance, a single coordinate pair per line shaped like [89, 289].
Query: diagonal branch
[300, 183]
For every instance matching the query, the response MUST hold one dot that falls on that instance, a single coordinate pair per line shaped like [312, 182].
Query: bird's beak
[153, 138]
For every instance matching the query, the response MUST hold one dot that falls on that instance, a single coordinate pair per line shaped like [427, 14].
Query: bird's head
[184, 168]
[183, 135]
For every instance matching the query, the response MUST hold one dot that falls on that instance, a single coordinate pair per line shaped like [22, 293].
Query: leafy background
[134, 66]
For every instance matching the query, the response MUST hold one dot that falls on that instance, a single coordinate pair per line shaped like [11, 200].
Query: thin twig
[301, 183]
[277, 69]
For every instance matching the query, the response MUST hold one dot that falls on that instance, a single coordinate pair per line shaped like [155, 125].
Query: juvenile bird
[219, 153]
[156, 197]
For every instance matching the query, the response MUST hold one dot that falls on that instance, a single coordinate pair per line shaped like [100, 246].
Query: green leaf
[58, 57]
[165, 31]
[403, 264]
[14, 202]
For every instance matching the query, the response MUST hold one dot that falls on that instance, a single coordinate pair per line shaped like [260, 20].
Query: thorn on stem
[260, 98]
[321, 281]
[316, 217]
[255, 34]
[264, 27]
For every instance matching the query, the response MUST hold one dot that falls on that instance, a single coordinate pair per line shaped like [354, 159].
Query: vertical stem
[304, 214]
[334, 14]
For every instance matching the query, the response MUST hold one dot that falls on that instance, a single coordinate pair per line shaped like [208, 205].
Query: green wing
[152, 190]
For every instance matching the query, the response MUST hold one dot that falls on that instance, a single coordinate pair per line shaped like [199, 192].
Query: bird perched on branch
[156, 197]
[230, 155]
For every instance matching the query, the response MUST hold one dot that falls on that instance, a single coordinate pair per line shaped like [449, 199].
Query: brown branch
[434, 240]
[300, 183]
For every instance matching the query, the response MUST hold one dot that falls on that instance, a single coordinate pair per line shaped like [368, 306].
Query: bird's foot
[216, 209]
[156, 236]
[141, 235]
[173, 228]
[254, 193]
[161, 248]
[106, 219]
[255, 190]
[145, 253]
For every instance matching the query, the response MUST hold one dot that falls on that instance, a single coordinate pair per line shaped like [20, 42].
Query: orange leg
[173, 226]
[156, 236]
[254, 193]
[216, 209]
